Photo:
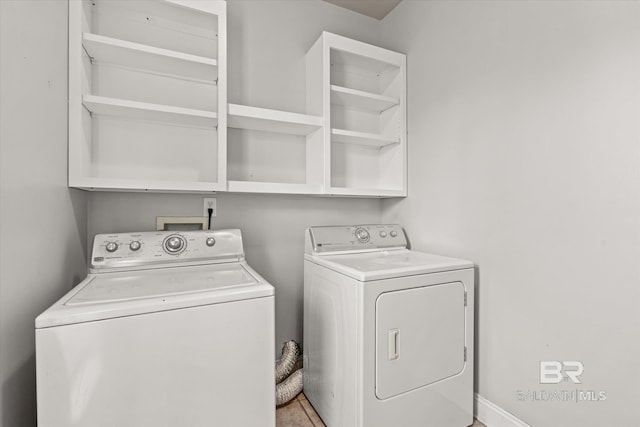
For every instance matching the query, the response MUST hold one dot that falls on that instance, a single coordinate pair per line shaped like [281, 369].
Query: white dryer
[168, 329]
[388, 332]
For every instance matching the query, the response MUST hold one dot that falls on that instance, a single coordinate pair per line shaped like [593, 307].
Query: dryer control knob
[211, 241]
[135, 245]
[111, 246]
[394, 233]
[362, 235]
[383, 234]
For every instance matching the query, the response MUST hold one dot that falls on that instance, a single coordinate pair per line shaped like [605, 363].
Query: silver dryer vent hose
[288, 385]
[290, 353]
[289, 388]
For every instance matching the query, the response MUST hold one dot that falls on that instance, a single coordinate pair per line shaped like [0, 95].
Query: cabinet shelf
[362, 138]
[152, 112]
[361, 99]
[116, 184]
[267, 120]
[139, 56]
[273, 187]
[365, 192]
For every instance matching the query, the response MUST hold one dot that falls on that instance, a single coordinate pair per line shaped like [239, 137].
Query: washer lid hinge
[465, 353]
[465, 298]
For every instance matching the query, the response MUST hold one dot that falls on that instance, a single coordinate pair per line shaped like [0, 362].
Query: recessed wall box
[181, 223]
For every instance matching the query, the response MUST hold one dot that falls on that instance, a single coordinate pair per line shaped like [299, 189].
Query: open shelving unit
[271, 151]
[360, 89]
[147, 95]
[148, 109]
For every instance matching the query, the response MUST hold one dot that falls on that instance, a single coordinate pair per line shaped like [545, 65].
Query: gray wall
[267, 45]
[524, 156]
[42, 222]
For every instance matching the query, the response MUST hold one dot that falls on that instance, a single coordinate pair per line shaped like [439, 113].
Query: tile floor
[300, 413]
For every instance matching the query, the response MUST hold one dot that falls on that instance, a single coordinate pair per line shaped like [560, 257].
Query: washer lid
[388, 264]
[129, 293]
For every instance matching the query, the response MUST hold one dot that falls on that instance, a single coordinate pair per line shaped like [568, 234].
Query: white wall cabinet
[360, 90]
[148, 109]
[147, 95]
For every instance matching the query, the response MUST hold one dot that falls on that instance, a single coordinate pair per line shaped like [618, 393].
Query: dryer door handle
[394, 335]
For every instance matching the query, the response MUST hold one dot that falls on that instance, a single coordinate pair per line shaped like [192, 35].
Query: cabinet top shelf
[149, 58]
[267, 120]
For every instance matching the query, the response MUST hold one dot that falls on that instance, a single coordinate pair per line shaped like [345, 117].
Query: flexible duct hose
[289, 388]
[288, 385]
[290, 353]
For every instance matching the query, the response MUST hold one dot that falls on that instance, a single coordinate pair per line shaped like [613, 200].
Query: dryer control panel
[122, 250]
[355, 238]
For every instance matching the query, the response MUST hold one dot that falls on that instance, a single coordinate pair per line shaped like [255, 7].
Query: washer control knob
[135, 245]
[111, 246]
[362, 235]
[211, 241]
[393, 233]
[174, 244]
[383, 234]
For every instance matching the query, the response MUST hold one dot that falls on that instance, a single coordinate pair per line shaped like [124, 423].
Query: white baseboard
[492, 415]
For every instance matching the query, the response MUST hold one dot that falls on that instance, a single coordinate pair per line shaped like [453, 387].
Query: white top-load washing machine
[168, 329]
[388, 332]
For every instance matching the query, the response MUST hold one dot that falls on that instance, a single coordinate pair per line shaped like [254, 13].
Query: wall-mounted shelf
[147, 95]
[361, 99]
[135, 55]
[134, 185]
[148, 109]
[151, 112]
[273, 187]
[362, 138]
[266, 120]
[273, 151]
[364, 192]
[361, 91]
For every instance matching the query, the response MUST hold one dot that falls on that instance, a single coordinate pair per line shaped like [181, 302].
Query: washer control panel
[356, 237]
[138, 249]
[362, 234]
[174, 244]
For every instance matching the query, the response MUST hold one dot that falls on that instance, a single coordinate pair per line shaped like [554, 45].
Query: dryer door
[420, 337]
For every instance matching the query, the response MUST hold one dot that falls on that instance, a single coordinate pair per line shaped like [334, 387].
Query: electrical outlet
[209, 203]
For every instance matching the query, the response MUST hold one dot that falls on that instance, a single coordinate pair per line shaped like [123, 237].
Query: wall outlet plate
[209, 203]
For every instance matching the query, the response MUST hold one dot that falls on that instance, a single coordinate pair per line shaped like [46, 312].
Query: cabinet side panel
[78, 77]
[221, 8]
[314, 78]
[393, 158]
[315, 105]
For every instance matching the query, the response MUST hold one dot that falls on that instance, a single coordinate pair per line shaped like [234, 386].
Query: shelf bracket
[91, 59]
